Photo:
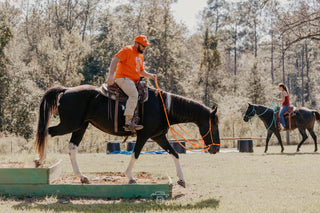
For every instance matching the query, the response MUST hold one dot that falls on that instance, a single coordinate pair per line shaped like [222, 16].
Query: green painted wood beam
[92, 191]
[24, 175]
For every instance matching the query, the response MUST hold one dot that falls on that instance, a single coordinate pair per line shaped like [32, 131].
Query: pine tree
[209, 64]
[5, 36]
[255, 88]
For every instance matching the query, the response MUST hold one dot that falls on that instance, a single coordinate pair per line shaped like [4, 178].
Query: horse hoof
[298, 150]
[85, 180]
[182, 183]
[37, 163]
[132, 181]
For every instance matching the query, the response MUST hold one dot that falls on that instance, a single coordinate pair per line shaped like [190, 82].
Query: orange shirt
[130, 65]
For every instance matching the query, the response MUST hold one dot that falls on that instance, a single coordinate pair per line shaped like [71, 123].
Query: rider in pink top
[285, 100]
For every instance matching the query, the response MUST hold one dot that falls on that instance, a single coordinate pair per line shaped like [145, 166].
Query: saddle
[287, 116]
[114, 92]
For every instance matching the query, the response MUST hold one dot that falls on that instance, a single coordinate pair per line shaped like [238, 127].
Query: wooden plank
[242, 138]
[93, 191]
[24, 176]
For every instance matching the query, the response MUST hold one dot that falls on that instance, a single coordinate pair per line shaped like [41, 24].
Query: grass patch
[119, 206]
[225, 182]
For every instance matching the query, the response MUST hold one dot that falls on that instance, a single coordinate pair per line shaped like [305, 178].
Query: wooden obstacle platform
[36, 182]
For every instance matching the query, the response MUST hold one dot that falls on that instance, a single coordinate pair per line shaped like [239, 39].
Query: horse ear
[249, 104]
[214, 110]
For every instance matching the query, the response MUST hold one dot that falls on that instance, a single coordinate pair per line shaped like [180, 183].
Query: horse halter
[253, 112]
[173, 131]
[209, 131]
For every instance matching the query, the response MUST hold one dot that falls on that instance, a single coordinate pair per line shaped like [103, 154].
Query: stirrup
[132, 127]
[282, 129]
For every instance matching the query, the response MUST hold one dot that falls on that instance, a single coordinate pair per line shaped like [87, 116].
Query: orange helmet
[142, 40]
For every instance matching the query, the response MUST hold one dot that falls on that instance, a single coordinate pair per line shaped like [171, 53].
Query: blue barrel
[178, 147]
[112, 147]
[130, 146]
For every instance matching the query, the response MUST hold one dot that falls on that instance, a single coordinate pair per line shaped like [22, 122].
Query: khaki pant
[129, 87]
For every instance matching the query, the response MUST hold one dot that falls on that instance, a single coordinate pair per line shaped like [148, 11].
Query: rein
[254, 114]
[173, 131]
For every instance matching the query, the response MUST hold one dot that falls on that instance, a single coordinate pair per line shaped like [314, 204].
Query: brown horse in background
[303, 119]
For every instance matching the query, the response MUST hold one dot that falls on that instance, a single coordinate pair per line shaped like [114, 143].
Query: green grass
[226, 182]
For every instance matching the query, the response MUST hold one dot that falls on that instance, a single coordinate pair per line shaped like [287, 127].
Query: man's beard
[140, 50]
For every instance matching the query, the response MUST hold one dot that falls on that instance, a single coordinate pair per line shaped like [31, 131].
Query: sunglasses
[142, 45]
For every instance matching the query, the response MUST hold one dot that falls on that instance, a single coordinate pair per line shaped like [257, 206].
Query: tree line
[239, 53]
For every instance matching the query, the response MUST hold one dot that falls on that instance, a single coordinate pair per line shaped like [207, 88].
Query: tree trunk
[283, 53]
[255, 40]
[302, 78]
[272, 78]
[307, 74]
[235, 50]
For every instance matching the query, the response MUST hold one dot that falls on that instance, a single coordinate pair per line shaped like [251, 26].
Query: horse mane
[185, 109]
[269, 111]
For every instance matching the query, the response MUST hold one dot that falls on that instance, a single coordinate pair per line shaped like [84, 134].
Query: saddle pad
[103, 90]
[115, 92]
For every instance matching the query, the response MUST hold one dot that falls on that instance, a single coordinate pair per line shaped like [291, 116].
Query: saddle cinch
[287, 116]
[114, 92]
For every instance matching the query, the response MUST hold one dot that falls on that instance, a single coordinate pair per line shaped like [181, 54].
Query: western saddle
[114, 92]
[287, 116]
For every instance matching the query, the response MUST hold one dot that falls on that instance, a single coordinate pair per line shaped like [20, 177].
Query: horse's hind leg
[164, 143]
[314, 137]
[73, 147]
[60, 129]
[304, 137]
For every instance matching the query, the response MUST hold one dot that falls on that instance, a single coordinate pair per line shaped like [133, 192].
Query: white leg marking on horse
[178, 167]
[72, 152]
[168, 102]
[130, 166]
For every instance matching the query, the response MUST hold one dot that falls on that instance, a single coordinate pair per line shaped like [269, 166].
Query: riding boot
[281, 129]
[131, 125]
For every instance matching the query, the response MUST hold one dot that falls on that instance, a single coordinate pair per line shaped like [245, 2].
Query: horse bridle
[209, 130]
[253, 112]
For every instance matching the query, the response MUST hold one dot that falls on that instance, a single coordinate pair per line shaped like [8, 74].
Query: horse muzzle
[213, 149]
[246, 119]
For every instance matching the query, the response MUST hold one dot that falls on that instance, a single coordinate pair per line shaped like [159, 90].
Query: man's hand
[148, 75]
[154, 76]
[110, 80]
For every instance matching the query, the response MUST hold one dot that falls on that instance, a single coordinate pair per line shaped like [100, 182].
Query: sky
[186, 11]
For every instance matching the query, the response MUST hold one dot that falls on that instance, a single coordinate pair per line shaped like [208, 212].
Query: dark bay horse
[303, 119]
[81, 105]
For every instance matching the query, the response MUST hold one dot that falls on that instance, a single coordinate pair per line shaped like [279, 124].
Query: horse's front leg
[134, 157]
[164, 143]
[267, 140]
[128, 172]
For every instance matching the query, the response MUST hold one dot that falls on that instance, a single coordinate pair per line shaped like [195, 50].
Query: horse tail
[316, 115]
[48, 106]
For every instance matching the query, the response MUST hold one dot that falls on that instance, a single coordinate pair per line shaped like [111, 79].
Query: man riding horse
[127, 65]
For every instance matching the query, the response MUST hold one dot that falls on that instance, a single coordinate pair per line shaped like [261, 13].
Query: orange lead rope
[173, 131]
